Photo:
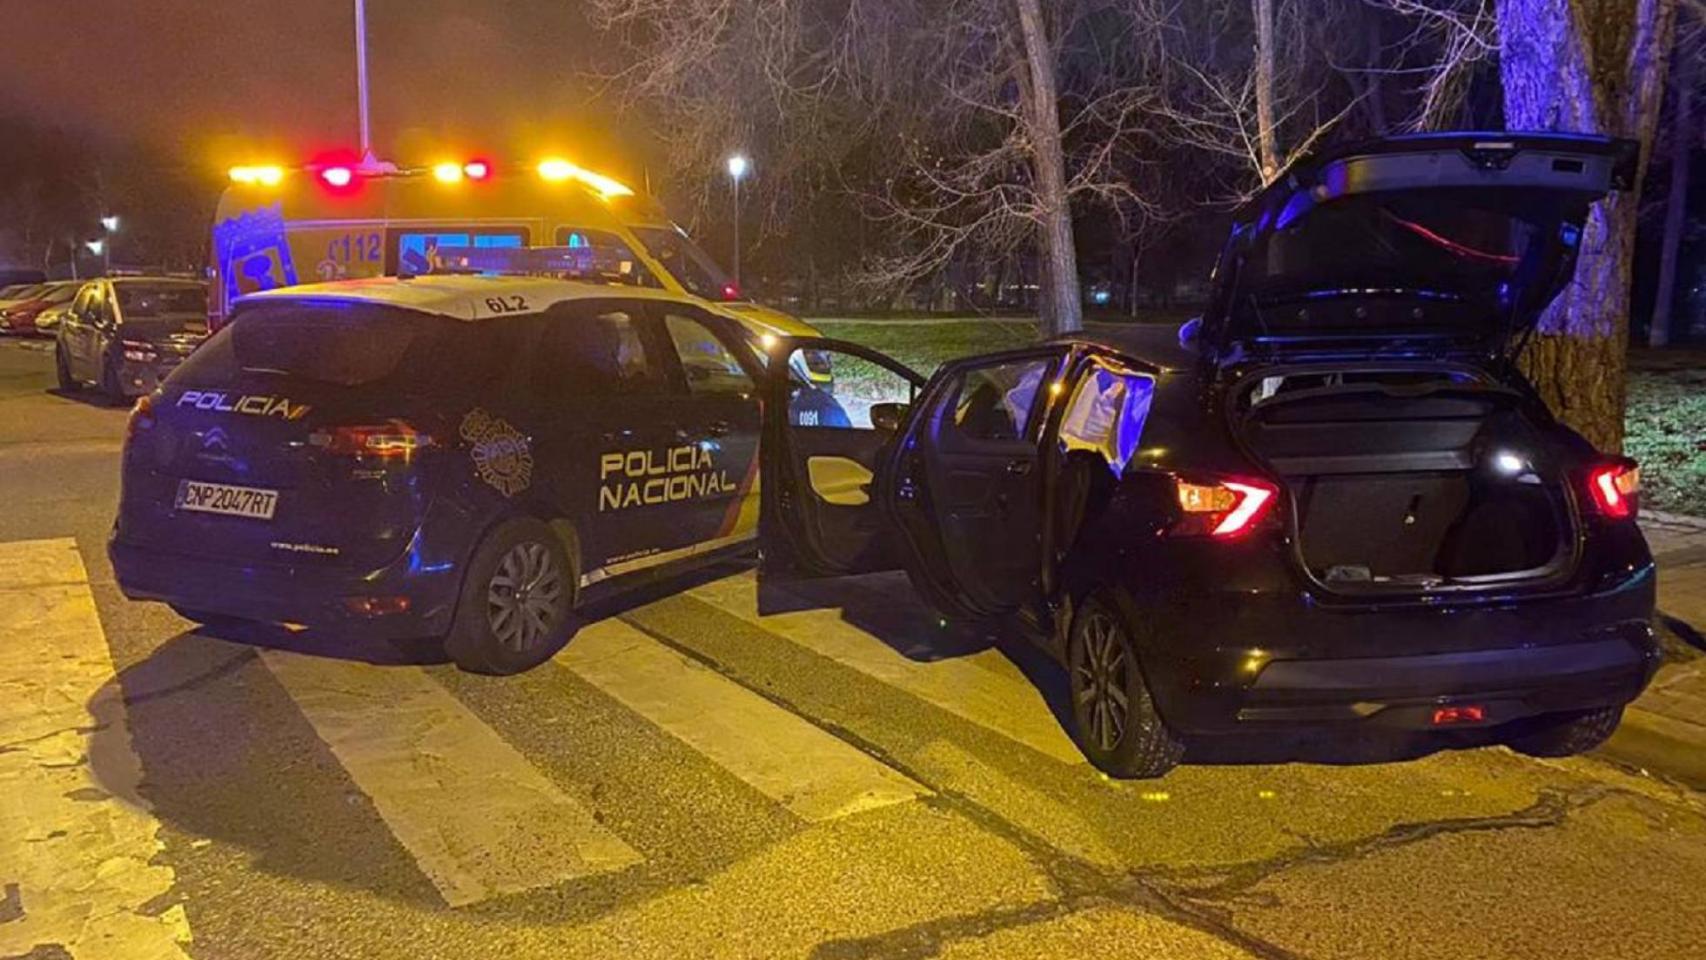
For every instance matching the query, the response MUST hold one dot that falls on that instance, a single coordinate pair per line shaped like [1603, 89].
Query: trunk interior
[1411, 479]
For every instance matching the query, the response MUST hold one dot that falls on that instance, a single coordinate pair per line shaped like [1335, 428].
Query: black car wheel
[62, 369]
[1114, 717]
[514, 610]
[110, 387]
[1565, 734]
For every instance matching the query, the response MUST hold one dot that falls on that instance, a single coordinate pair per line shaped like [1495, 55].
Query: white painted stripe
[479, 819]
[812, 773]
[983, 687]
[650, 560]
[76, 837]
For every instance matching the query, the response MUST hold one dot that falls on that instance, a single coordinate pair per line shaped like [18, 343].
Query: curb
[1664, 746]
[1675, 519]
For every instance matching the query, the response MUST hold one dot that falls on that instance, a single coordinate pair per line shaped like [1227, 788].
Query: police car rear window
[348, 345]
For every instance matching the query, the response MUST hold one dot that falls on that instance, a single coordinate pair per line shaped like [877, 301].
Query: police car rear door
[831, 413]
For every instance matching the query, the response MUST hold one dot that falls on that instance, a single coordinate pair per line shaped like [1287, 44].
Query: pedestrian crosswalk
[480, 816]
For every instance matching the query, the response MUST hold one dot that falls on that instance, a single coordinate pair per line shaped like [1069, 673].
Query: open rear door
[965, 487]
[831, 414]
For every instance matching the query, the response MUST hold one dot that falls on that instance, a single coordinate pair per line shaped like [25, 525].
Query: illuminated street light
[110, 223]
[738, 165]
[96, 247]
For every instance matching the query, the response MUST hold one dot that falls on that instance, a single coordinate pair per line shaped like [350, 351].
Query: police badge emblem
[500, 452]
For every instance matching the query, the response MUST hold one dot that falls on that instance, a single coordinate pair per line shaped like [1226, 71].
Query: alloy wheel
[1102, 676]
[524, 599]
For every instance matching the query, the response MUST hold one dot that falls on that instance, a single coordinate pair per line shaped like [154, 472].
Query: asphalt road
[691, 779]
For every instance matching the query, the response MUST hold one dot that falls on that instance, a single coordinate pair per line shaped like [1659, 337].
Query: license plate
[226, 499]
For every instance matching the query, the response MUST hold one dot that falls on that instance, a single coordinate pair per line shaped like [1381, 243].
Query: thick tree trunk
[1587, 66]
[1267, 138]
[1048, 162]
[1676, 214]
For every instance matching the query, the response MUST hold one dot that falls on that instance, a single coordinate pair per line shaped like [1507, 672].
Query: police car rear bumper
[277, 593]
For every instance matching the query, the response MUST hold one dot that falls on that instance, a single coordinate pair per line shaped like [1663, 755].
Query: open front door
[965, 485]
[831, 413]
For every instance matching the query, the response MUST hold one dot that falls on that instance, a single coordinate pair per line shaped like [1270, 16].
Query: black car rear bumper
[278, 593]
[1225, 663]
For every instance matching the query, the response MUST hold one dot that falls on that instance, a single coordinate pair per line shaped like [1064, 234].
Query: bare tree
[987, 121]
[1595, 66]
[1684, 136]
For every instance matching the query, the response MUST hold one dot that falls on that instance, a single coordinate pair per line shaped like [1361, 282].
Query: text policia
[632, 478]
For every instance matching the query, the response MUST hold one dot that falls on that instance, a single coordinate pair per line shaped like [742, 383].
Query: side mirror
[888, 416]
[1190, 333]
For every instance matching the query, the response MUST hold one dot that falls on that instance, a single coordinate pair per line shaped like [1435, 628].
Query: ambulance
[341, 219]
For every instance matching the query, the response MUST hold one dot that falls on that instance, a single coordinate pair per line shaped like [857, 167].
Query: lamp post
[737, 171]
[109, 223]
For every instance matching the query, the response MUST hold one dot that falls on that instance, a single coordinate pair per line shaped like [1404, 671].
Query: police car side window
[593, 351]
[711, 367]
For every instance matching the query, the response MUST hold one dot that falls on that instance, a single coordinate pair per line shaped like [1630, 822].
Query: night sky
[225, 81]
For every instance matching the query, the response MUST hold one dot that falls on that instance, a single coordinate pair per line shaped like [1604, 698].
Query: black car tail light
[1615, 488]
[392, 440]
[1222, 507]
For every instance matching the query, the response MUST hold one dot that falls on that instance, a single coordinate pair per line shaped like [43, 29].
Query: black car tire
[110, 389]
[1113, 715]
[1565, 734]
[502, 625]
[62, 369]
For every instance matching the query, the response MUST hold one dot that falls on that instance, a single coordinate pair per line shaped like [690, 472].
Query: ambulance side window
[597, 351]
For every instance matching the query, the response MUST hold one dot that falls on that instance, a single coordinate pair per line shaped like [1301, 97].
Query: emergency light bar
[605, 264]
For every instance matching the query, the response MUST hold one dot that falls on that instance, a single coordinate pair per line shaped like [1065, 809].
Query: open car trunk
[1411, 480]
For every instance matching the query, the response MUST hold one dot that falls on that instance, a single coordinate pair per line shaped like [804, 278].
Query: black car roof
[1154, 343]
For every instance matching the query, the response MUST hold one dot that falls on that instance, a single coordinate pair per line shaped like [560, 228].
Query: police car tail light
[392, 440]
[1222, 508]
[1616, 488]
[141, 416]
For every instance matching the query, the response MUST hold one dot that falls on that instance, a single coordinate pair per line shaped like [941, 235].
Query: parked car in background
[17, 293]
[125, 334]
[20, 318]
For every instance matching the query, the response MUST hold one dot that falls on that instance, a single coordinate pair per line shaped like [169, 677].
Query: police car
[1333, 502]
[467, 456]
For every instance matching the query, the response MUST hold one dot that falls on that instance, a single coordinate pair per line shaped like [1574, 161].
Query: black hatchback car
[1332, 501]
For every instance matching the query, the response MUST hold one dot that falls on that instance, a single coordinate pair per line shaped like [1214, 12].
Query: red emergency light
[337, 177]
[477, 169]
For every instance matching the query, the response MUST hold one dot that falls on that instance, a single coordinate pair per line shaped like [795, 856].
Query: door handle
[1018, 468]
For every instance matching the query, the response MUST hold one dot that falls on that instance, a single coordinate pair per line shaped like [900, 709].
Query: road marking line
[812, 773]
[982, 687]
[77, 840]
[479, 819]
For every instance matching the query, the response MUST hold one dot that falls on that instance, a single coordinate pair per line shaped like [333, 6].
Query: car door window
[1106, 414]
[710, 366]
[996, 403]
[600, 352]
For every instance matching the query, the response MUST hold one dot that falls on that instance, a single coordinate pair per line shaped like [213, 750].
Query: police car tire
[62, 370]
[1565, 735]
[472, 644]
[1144, 746]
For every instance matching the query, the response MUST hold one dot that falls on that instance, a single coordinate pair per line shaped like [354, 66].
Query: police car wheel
[514, 610]
[1114, 717]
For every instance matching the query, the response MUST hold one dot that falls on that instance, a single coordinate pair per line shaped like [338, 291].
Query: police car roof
[459, 296]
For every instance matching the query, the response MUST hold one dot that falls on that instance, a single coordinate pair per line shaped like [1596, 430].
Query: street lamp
[103, 247]
[738, 165]
[110, 223]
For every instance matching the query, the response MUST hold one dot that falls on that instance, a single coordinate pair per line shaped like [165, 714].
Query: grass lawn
[1666, 420]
